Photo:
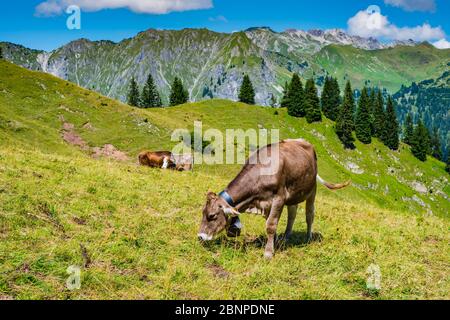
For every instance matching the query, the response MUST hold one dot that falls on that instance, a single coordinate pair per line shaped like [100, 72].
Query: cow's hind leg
[292, 214]
[310, 212]
[271, 227]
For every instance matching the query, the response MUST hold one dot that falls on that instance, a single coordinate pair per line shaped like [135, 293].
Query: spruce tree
[312, 102]
[344, 124]
[325, 97]
[436, 150]
[178, 94]
[362, 119]
[285, 100]
[150, 95]
[133, 94]
[331, 98]
[296, 106]
[419, 142]
[247, 93]
[379, 118]
[373, 101]
[408, 130]
[1, 53]
[392, 128]
[429, 142]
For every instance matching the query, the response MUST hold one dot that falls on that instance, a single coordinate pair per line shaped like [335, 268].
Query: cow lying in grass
[293, 180]
[166, 160]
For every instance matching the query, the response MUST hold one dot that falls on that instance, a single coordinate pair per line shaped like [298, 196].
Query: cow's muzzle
[204, 237]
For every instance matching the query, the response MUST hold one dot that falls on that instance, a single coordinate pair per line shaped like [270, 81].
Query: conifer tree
[150, 95]
[379, 118]
[408, 130]
[247, 93]
[331, 98]
[373, 101]
[392, 128]
[362, 118]
[344, 124]
[1, 53]
[429, 142]
[436, 150]
[296, 106]
[325, 97]
[312, 102]
[285, 100]
[178, 94]
[419, 142]
[133, 94]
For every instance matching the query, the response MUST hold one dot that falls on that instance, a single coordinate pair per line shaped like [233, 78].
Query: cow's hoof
[268, 255]
[286, 237]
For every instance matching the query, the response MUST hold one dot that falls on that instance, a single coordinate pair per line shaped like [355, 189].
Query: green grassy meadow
[132, 230]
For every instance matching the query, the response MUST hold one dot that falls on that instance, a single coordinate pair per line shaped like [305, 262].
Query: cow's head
[216, 216]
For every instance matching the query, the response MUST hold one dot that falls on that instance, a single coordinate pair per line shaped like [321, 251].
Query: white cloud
[57, 7]
[442, 44]
[376, 25]
[413, 5]
[218, 19]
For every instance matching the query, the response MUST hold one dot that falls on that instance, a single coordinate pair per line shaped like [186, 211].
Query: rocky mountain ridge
[212, 64]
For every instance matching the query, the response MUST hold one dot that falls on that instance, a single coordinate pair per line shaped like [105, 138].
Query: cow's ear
[211, 196]
[231, 211]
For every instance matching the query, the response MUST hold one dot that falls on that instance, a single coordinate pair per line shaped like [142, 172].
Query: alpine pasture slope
[132, 230]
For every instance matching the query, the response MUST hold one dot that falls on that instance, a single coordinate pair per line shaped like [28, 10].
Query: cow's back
[292, 176]
[154, 159]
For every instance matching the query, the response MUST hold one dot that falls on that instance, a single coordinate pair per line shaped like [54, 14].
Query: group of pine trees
[302, 102]
[369, 119]
[421, 140]
[150, 97]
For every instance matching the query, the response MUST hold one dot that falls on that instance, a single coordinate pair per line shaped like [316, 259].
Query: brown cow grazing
[159, 159]
[293, 180]
[166, 160]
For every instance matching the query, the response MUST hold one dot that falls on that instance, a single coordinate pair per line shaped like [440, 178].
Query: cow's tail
[333, 186]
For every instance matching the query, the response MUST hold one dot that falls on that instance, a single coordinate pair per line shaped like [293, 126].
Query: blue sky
[44, 27]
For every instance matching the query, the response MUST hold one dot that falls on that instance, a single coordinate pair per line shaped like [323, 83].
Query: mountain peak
[264, 28]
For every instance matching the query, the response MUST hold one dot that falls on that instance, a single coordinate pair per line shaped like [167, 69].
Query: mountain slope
[32, 108]
[211, 64]
[138, 226]
[429, 100]
[388, 68]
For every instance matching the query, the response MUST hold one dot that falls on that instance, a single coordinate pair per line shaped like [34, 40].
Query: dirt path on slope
[70, 136]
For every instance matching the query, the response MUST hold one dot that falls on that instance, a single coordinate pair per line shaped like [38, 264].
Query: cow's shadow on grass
[297, 239]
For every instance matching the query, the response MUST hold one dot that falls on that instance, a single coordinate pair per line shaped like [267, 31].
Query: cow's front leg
[271, 228]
